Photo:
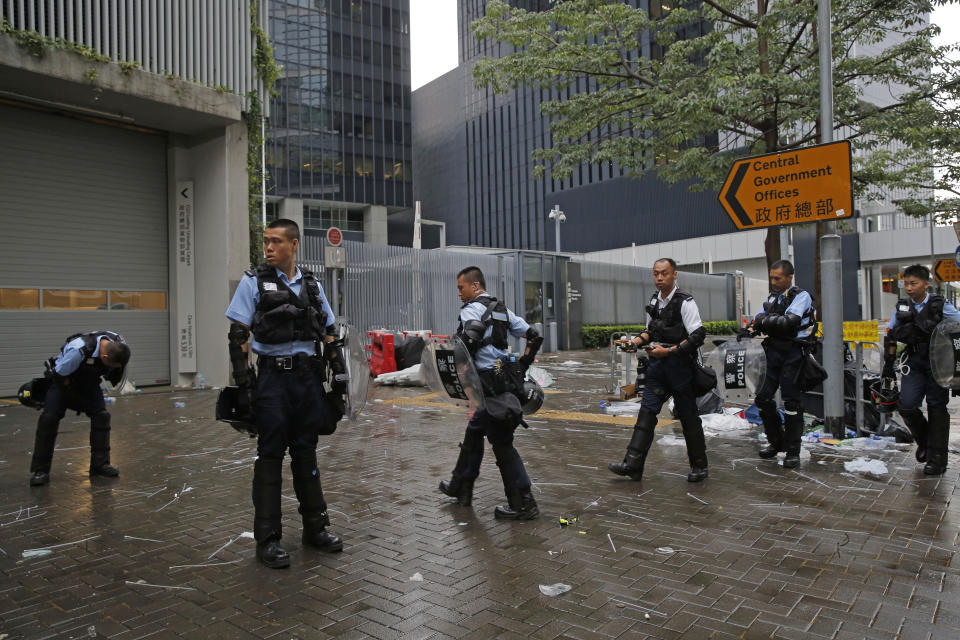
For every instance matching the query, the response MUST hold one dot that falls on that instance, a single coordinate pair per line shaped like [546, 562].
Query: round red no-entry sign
[334, 236]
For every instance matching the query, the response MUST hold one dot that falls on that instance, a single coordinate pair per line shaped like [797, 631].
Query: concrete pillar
[217, 167]
[375, 224]
[292, 209]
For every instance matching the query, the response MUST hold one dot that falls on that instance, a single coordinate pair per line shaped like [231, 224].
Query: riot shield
[449, 371]
[740, 368]
[229, 412]
[358, 370]
[945, 354]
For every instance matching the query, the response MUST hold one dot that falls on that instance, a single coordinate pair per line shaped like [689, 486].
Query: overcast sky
[433, 35]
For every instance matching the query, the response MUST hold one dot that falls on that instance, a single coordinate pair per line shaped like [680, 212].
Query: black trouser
[673, 376]
[932, 432]
[501, 438]
[291, 409]
[81, 393]
[782, 366]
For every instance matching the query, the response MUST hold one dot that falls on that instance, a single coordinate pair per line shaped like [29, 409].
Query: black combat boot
[793, 435]
[694, 439]
[44, 443]
[938, 438]
[520, 506]
[698, 468]
[468, 464]
[918, 426]
[772, 427]
[640, 442]
[313, 508]
[267, 529]
[100, 447]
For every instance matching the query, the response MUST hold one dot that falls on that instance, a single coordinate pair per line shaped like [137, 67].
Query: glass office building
[339, 133]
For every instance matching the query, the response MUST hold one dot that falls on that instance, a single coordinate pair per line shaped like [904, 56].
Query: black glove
[338, 369]
[887, 372]
[744, 333]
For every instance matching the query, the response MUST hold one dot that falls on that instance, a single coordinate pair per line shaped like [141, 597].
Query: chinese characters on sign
[186, 295]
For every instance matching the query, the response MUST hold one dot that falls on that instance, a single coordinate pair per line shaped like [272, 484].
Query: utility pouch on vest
[280, 321]
[810, 373]
[505, 409]
[704, 379]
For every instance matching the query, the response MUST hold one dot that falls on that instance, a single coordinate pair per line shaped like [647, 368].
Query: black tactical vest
[283, 316]
[914, 328]
[496, 316]
[775, 306]
[92, 366]
[666, 323]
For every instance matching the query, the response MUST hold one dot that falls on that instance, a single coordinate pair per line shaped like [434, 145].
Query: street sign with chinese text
[812, 184]
[946, 271]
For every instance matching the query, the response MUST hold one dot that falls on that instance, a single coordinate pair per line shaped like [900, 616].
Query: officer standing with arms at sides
[787, 319]
[289, 317]
[673, 337]
[485, 323]
[84, 359]
[913, 320]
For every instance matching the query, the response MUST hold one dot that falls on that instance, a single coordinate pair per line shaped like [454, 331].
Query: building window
[74, 299]
[318, 217]
[81, 300]
[19, 298]
[139, 300]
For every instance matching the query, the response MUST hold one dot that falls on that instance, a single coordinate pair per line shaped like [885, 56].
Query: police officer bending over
[287, 312]
[84, 359]
[673, 336]
[484, 325]
[787, 319]
[911, 323]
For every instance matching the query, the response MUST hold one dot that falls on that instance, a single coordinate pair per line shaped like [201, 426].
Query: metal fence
[207, 42]
[617, 294]
[401, 288]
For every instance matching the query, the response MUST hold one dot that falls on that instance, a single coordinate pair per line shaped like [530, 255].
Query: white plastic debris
[540, 376]
[621, 408]
[554, 589]
[665, 550]
[570, 363]
[417, 577]
[409, 377]
[36, 553]
[865, 465]
[671, 440]
[718, 422]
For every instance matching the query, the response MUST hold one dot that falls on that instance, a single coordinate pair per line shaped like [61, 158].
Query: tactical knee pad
[791, 408]
[765, 404]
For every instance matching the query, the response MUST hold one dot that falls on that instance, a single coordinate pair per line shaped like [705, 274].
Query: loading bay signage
[790, 187]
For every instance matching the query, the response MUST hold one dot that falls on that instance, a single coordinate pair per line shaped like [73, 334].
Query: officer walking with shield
[913, 322]
[485, 323]
[286, 311]
[788, 321]
[74, 383]
[672, 338]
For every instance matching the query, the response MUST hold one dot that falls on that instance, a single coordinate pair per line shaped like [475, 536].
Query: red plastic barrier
[382, 358]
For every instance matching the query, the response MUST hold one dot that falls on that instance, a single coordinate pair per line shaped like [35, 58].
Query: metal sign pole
[831, 257]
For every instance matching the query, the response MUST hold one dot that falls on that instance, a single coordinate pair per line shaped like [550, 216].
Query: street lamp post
[557, 216]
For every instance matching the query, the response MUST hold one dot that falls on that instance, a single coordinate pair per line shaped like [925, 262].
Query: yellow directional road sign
[946, 271]
[790, 187]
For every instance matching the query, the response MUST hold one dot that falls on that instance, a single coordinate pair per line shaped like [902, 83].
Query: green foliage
[126, 68]
[37, 45]
[753, 78]
[597, 336]
[91, 74]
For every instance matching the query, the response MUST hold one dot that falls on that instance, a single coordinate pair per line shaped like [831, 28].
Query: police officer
[673, 337]
[787, 319]
[485, 323]
[285, 309]
[75, 375]
[911, 323]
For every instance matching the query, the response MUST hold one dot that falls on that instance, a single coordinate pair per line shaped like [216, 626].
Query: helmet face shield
[885, 396]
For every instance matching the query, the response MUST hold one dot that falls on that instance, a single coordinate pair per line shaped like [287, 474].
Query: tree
[748, 84]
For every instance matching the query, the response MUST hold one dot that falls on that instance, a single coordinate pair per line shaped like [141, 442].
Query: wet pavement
[756, 551]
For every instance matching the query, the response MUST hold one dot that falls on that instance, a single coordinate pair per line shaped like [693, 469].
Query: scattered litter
[722, 423]
[814, 479]
[555, 553]
[581, 466]
[36, 553]
[620, 408]
[583, 533]
[378, 399]
[179, 405]
[866, 466]
[671, 473]
[462, 524]
[554, 589]
[249, 534]
[141, 583]
[696, 498]
[144, 539]
[417, 577]
[211, 564]
[634, 515]
[646, 616]
[409, 377]
[226, 544]
[593, 504]
[540, 376]
[611, 543]
[555, 484]
[630, 604]
[670, 440]
[666, 550]
[33, 553]
[772, 475]
[567, 521]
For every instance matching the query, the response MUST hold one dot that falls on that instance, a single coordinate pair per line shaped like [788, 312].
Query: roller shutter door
[83, 214]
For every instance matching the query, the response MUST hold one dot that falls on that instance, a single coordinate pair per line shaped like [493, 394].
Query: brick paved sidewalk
[757, 551]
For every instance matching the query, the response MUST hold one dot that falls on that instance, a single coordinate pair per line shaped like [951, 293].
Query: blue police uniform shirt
[486, 357]
[800, 305]
[244, 304]
[949, 311]
[71, 356]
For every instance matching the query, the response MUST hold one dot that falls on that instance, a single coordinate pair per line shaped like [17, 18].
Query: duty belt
[288, 363]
